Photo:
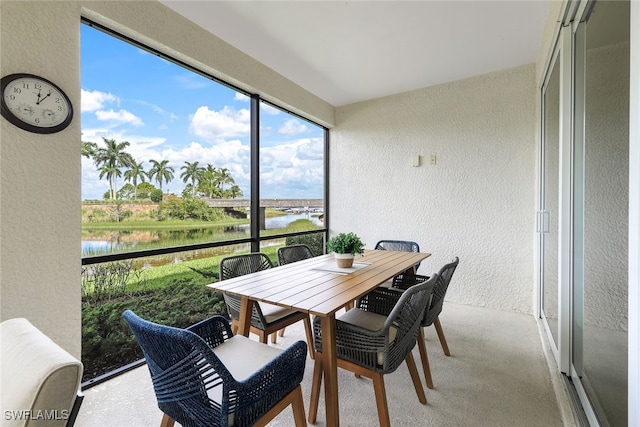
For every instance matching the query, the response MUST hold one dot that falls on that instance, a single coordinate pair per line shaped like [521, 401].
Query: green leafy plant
[345, 243]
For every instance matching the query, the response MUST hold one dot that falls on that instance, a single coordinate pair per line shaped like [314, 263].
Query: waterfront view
[101, 241]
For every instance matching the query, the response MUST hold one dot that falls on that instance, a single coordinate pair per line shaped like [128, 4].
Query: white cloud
[292, 170]
[95, 100]
[214, 125]
[96, 134]
[120, 117]
[292, 127]
[241, 97]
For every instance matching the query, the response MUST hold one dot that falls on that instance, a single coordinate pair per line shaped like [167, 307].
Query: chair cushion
[273, 313]
[369, 321]
[242, 357]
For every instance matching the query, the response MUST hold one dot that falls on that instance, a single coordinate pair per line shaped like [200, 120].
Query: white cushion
[370, 321]
[242, 357]
[272, 312]
[37, 375]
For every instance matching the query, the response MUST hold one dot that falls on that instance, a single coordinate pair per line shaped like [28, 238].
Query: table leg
[330, 368]
[246, 307]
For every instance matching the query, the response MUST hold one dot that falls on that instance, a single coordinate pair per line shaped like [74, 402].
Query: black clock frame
[13, 119]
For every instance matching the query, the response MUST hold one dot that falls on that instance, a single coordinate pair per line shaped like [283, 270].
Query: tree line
[114, 162]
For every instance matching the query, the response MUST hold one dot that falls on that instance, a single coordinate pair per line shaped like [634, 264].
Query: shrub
[156, 195]
[314, 241]
[107, 341]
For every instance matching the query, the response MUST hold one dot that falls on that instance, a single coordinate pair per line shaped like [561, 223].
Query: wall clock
[35, 104]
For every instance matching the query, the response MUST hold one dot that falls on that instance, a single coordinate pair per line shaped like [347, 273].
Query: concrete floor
[497, 375]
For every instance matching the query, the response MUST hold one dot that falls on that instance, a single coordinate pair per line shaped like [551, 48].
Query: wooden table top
[316, 285]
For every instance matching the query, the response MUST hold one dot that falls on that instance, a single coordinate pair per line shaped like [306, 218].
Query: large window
[167, 155]
[292, 169]
[180, 169]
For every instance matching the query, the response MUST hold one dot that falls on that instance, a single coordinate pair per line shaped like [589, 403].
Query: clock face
[35, 104]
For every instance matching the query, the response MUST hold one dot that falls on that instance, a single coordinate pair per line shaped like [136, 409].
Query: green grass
[172, 294]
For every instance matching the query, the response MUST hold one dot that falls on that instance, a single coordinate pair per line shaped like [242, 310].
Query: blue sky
[167, 112]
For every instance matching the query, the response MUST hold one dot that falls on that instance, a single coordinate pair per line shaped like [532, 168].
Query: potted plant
[345, 246]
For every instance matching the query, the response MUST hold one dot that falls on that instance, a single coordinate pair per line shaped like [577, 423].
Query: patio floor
[497, 375]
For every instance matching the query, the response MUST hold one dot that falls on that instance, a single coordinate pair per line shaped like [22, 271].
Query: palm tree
[133, 173]
[88, 149]
[110, 159]
[209, 183]
[191, 171]
[160, 171]
[224, 178]
[234, 191]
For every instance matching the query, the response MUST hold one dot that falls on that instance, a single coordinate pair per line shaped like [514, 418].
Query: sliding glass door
[583, 215]
[548, 217]
[599, 356]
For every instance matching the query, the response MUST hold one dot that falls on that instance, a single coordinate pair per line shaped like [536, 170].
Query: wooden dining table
[318, 287]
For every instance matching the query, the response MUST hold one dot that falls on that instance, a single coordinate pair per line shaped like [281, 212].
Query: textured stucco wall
[476, 202]
[40, 178]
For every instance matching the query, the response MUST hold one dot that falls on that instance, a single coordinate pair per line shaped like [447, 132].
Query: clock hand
[38, 101]
[45, 97]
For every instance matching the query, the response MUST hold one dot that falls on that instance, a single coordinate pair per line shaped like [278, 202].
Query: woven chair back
[398, 245]
[172, 356]
[387, 348]
[439, 291]
[239, 265]
[406, 317]
[293, 253]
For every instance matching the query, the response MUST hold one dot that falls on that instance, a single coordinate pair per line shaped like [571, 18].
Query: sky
[167, 112]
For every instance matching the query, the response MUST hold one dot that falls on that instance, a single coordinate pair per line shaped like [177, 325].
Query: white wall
[477, 202]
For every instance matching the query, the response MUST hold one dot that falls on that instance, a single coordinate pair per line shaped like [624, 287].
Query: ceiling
[350, 51]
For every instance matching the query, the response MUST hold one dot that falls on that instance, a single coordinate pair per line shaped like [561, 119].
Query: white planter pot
[344, 260]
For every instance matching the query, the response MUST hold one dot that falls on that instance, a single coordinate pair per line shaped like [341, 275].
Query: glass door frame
[570, 38]
[543, 215]
[563, 53]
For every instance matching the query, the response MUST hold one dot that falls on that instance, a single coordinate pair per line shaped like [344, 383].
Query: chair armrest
[214, 330]
[287, 365]
[351, 336]
[272, 382]
[234, 303]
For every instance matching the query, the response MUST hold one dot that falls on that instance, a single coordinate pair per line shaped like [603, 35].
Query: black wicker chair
[266, 319]
[432, 312]
[205, 376]
[293, 253]
[398, 245]
[374, 338]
